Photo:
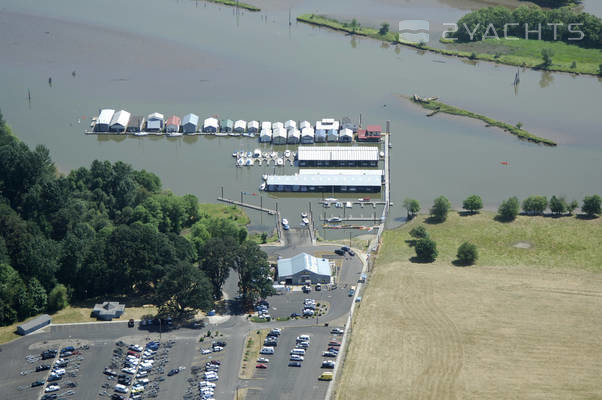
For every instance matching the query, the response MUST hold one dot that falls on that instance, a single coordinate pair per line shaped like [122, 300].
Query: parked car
[345, 248]
[116, 396]
[51, 396]
[339, 252]
[326, 376]
[318, 287]
[351, 253]
[295, 315]
[54, 378]
[219, 343]
[329, 354]
[52, 388]
[328, 364]
[294, 364]
[334, 343]
[173, 372]
[261, 366]
[43, 367]
[37, 383]
[337, 331]
[267, 350]
[296, 357]
[131, 323]
[263, 360]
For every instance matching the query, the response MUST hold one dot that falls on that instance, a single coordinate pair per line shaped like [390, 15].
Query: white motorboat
[305, 221]
[249, 162]
[265, 155]
[141, 133]
[303, 215]
[252, 134]
[257, 153]
[382, 154]
[240, 162]
[338, 204]
[274, 154]
[264, 177]
[262, 186]
[280, 162]
[334, 219]
[249, 154]
[174, 134]
[330, 199]
[284, 221]
[235, 154]
[348, 205]
[287, 153]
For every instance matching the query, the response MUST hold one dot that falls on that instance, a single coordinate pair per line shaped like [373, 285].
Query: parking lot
[279, 381]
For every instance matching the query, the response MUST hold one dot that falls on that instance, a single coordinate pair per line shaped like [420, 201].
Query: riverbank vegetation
[524, 53]
[111, 231]
[233, 3]
[437, 106]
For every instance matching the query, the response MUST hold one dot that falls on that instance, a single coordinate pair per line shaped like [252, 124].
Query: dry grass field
[510, 331]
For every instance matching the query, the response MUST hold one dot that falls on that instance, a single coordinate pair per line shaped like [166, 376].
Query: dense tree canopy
[440, 208]
[106, 230]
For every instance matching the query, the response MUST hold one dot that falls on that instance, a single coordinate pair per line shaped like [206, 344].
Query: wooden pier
[247, 205]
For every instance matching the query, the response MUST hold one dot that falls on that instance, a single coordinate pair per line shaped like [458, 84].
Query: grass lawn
[225, 211]
[232, 3]
[511, 327]
[448, 109]
[253, 344]
[565, 242]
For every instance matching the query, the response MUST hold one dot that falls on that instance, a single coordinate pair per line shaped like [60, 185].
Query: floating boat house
[210, 125]
[293, 136]
[320, 136]
[346, 135]
[104, 120]
[227, 125]
[240, 126]
[345, 172]
[190, 123]
[290, 124]
[338, 156]
[120, 120]
[307, 135]
[279, 136]
[266, 136]
[372, 133]
[154, 122]
[324, 183]
[253, 127]
[277, 125]
[266, 125]
[347, 124]
[304, 124]
[135, 123]
[332, 135]
[173, 124]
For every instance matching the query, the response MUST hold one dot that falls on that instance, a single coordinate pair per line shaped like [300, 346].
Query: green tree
[38, 296]
[547, 55]
[591, 205]
[354, 25]
[508, 210]
[440, 208]
[558, 205]
[216, 259]
[426, 250]
[58, 298]
[473, 203]
[419, 232]
[535, 205]
[253, 272]
[600, 70]
[412, 206]
[467, 253]
[384, 29]
[184, 289]
[572, 206]
[11, 286]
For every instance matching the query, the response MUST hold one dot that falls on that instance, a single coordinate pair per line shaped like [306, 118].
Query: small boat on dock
[338, 204]
[305, 221]
[264, 177]
[235, 154]
[303, 215]
[240, 162]
[284, 221]
[257, 153]
[249, 162]
[249, 154]
[262, 186]
[334, 219]
[382, 154]
[265, 155]
[287, 153]
[348, 205]
[280, 162]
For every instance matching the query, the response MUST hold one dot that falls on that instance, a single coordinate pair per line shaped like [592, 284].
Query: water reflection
[547, 78]
[353, 42]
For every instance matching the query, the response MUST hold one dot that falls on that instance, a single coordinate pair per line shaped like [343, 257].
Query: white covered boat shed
[302, 268]
[104, 120]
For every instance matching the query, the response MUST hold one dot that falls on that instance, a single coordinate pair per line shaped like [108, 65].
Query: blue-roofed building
[190, 123]
[302, 268]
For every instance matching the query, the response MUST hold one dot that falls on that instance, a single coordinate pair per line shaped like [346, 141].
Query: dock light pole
[241, 197]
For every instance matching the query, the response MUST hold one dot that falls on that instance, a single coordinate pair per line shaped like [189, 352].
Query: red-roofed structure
[372, 133]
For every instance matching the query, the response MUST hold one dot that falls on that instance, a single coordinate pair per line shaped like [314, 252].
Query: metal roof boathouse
[104, 120]
[369, 183]
[190, 123]
[338, 156]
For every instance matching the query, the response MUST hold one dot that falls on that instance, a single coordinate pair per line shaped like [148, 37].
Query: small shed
[277, 125]
[120, 120]
[332, 135]
[290, 124]
[190, 123]
[173, 124]
[346, 135]
[226, 125]
[320, 136]
[240, 126]
[293, 136]
[34, 324]
[135, 123]
[210, 125]
[154, 122]
[104, 120]
[108, 310]
[266, 125]
[303, 125]
[266, 136]
[307, 135]
[253, 126]
[279, 135]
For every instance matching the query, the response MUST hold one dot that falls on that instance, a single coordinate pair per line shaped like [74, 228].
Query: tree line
[500, 21]
[110, 230]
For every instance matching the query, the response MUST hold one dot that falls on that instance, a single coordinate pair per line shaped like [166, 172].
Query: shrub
[473, 203]
[557, 205]
[57, 299]
[419, 232]
[473, 56]
[535, 204]
[384, 29]
[426, 250]
[440, 208]
[508, 210]
[592, 205]
[547, 54]
[572, 206]
[412, 206]
[264, 238]
[467, 253]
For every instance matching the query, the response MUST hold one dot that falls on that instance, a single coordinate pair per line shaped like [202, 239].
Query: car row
[343, 250]
[210, 377]
[309, 307]
[297, 354]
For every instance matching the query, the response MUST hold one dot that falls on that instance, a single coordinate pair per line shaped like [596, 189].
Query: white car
[142, 381]
[141, 374]
[308, 312]
[296, 357]
[135, 347]
[217, 348]
[52, 388]
[206, 351]
[263, 360]
[130, 371]
[337, 331]
[121, 388]
[302, 345]
[206, 384]
[303, 338]
[267, 350]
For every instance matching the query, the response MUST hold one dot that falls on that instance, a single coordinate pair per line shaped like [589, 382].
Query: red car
[334, 343]
[261, 366]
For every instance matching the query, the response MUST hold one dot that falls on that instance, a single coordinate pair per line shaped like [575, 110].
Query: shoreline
[393, 38]
[437, 107]
[232, 3]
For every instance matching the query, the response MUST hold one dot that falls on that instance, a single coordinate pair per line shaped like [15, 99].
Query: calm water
[184, 56]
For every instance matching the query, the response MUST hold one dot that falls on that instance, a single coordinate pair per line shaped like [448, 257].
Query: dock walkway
[247, 205]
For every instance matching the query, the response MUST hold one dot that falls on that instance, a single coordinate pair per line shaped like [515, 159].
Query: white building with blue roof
[304, 267]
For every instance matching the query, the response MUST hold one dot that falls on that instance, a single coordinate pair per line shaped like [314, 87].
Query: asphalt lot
[279, 381]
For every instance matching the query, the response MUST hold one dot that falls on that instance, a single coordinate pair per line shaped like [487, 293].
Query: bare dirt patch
[438, 332]
[522, 245]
